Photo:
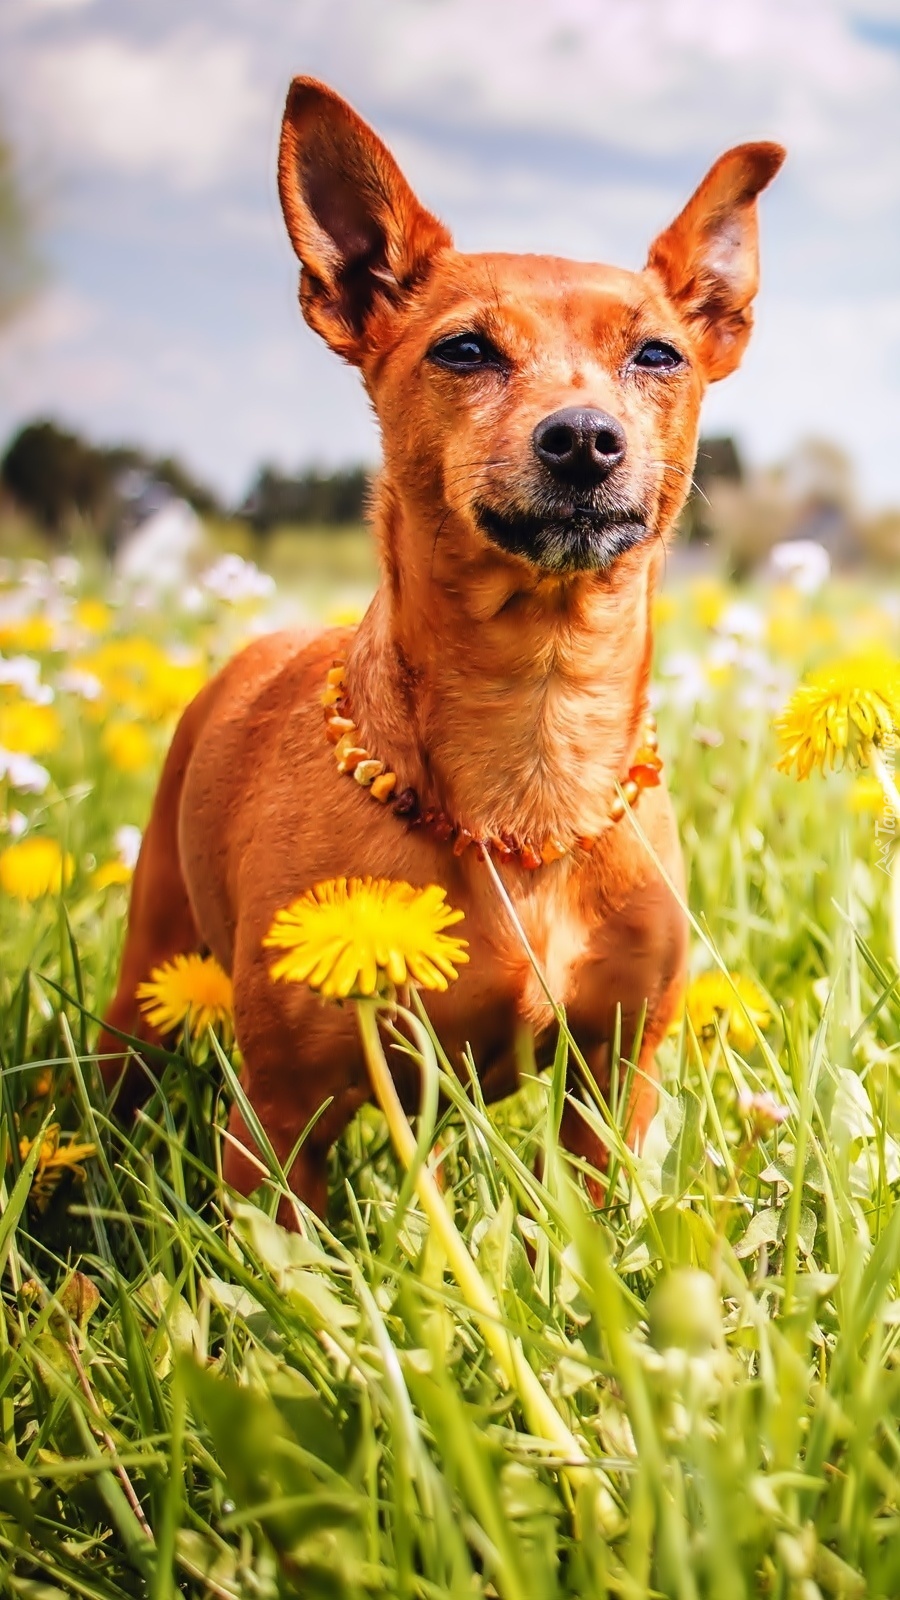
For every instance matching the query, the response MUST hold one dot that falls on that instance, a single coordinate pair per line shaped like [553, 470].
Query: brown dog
[539, 420]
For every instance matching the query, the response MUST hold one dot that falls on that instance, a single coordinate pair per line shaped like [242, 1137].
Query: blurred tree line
[61, 480]
[313, 498]
[741, 512]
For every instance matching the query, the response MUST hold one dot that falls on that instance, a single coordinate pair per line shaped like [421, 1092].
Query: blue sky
[169, 315]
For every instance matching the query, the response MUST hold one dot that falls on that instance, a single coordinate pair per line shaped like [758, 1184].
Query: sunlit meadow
[691, 1391]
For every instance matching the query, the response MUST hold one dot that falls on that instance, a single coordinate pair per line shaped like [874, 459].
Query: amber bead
[336, 727]
[406, 804]
[462, 841]
[552, 850]
[383, 787]
[365, 772]
[645, 776]
[352, 758]
[645, 756]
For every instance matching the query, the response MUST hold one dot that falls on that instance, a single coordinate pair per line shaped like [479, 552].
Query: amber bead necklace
[372, 775]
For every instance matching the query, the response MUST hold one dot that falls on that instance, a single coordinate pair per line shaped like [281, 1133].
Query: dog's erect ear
[360, 233]
[708, 257]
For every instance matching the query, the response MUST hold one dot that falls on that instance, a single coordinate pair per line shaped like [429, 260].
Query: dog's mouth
[571, 538]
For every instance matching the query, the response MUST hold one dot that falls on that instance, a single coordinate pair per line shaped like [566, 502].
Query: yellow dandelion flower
[190, 990]
[346, 615]
[171, 685]
[837, 711]
[94, 616]
[35, 867]
[665, 608]
[141, 679]
[784, 635]
[128, 746]
[349, 936]
[29, 729]
[55, 1159]
[794, 632]
[711, 999]
[710, 598]
[111, 875]
[30, 634]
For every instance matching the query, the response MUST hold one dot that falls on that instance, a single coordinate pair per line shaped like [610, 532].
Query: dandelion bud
[684, 1312]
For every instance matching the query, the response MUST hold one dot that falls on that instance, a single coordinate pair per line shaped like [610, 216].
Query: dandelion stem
[892, 797]
[882, 772]
[543, 1418]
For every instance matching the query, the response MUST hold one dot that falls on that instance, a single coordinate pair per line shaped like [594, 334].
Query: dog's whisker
[683, 472]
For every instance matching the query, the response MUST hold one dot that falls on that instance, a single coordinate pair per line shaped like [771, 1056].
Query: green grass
[193, 1402]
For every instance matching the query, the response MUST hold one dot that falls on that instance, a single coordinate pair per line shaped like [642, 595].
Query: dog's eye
[655, 356]
[464, 352]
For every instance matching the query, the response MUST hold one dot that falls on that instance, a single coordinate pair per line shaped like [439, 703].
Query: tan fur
[510, 696]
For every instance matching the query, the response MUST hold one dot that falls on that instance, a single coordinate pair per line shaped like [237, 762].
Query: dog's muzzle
[579, 539]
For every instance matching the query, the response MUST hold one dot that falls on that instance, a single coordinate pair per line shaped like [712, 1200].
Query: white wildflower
[762, 1111]
[803, 563]
[24, 674]
[127, 841]
[23, 772]
[66, 571]
[75, 681]
[742, 619]
[192, 599]
[688, 679]
[233, 579]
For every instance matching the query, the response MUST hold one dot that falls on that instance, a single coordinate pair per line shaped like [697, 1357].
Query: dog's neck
[511, 701]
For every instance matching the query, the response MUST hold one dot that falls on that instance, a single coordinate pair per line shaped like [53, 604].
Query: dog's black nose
[579, 445]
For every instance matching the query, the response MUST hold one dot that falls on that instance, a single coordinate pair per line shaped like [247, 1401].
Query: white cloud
[645, 76]
[222, 409]
[54, 318]
[55, 360]
[183, 108]
[56, 5]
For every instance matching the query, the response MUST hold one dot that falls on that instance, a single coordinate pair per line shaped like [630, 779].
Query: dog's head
[542, 408]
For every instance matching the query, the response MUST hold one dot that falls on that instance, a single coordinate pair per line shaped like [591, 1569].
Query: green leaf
[686, 1153]
[272, 1475]
[763, 1228]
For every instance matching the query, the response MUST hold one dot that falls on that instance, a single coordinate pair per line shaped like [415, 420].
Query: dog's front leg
[303, 1070]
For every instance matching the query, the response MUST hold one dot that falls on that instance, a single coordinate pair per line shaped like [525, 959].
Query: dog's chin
[580, 541]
